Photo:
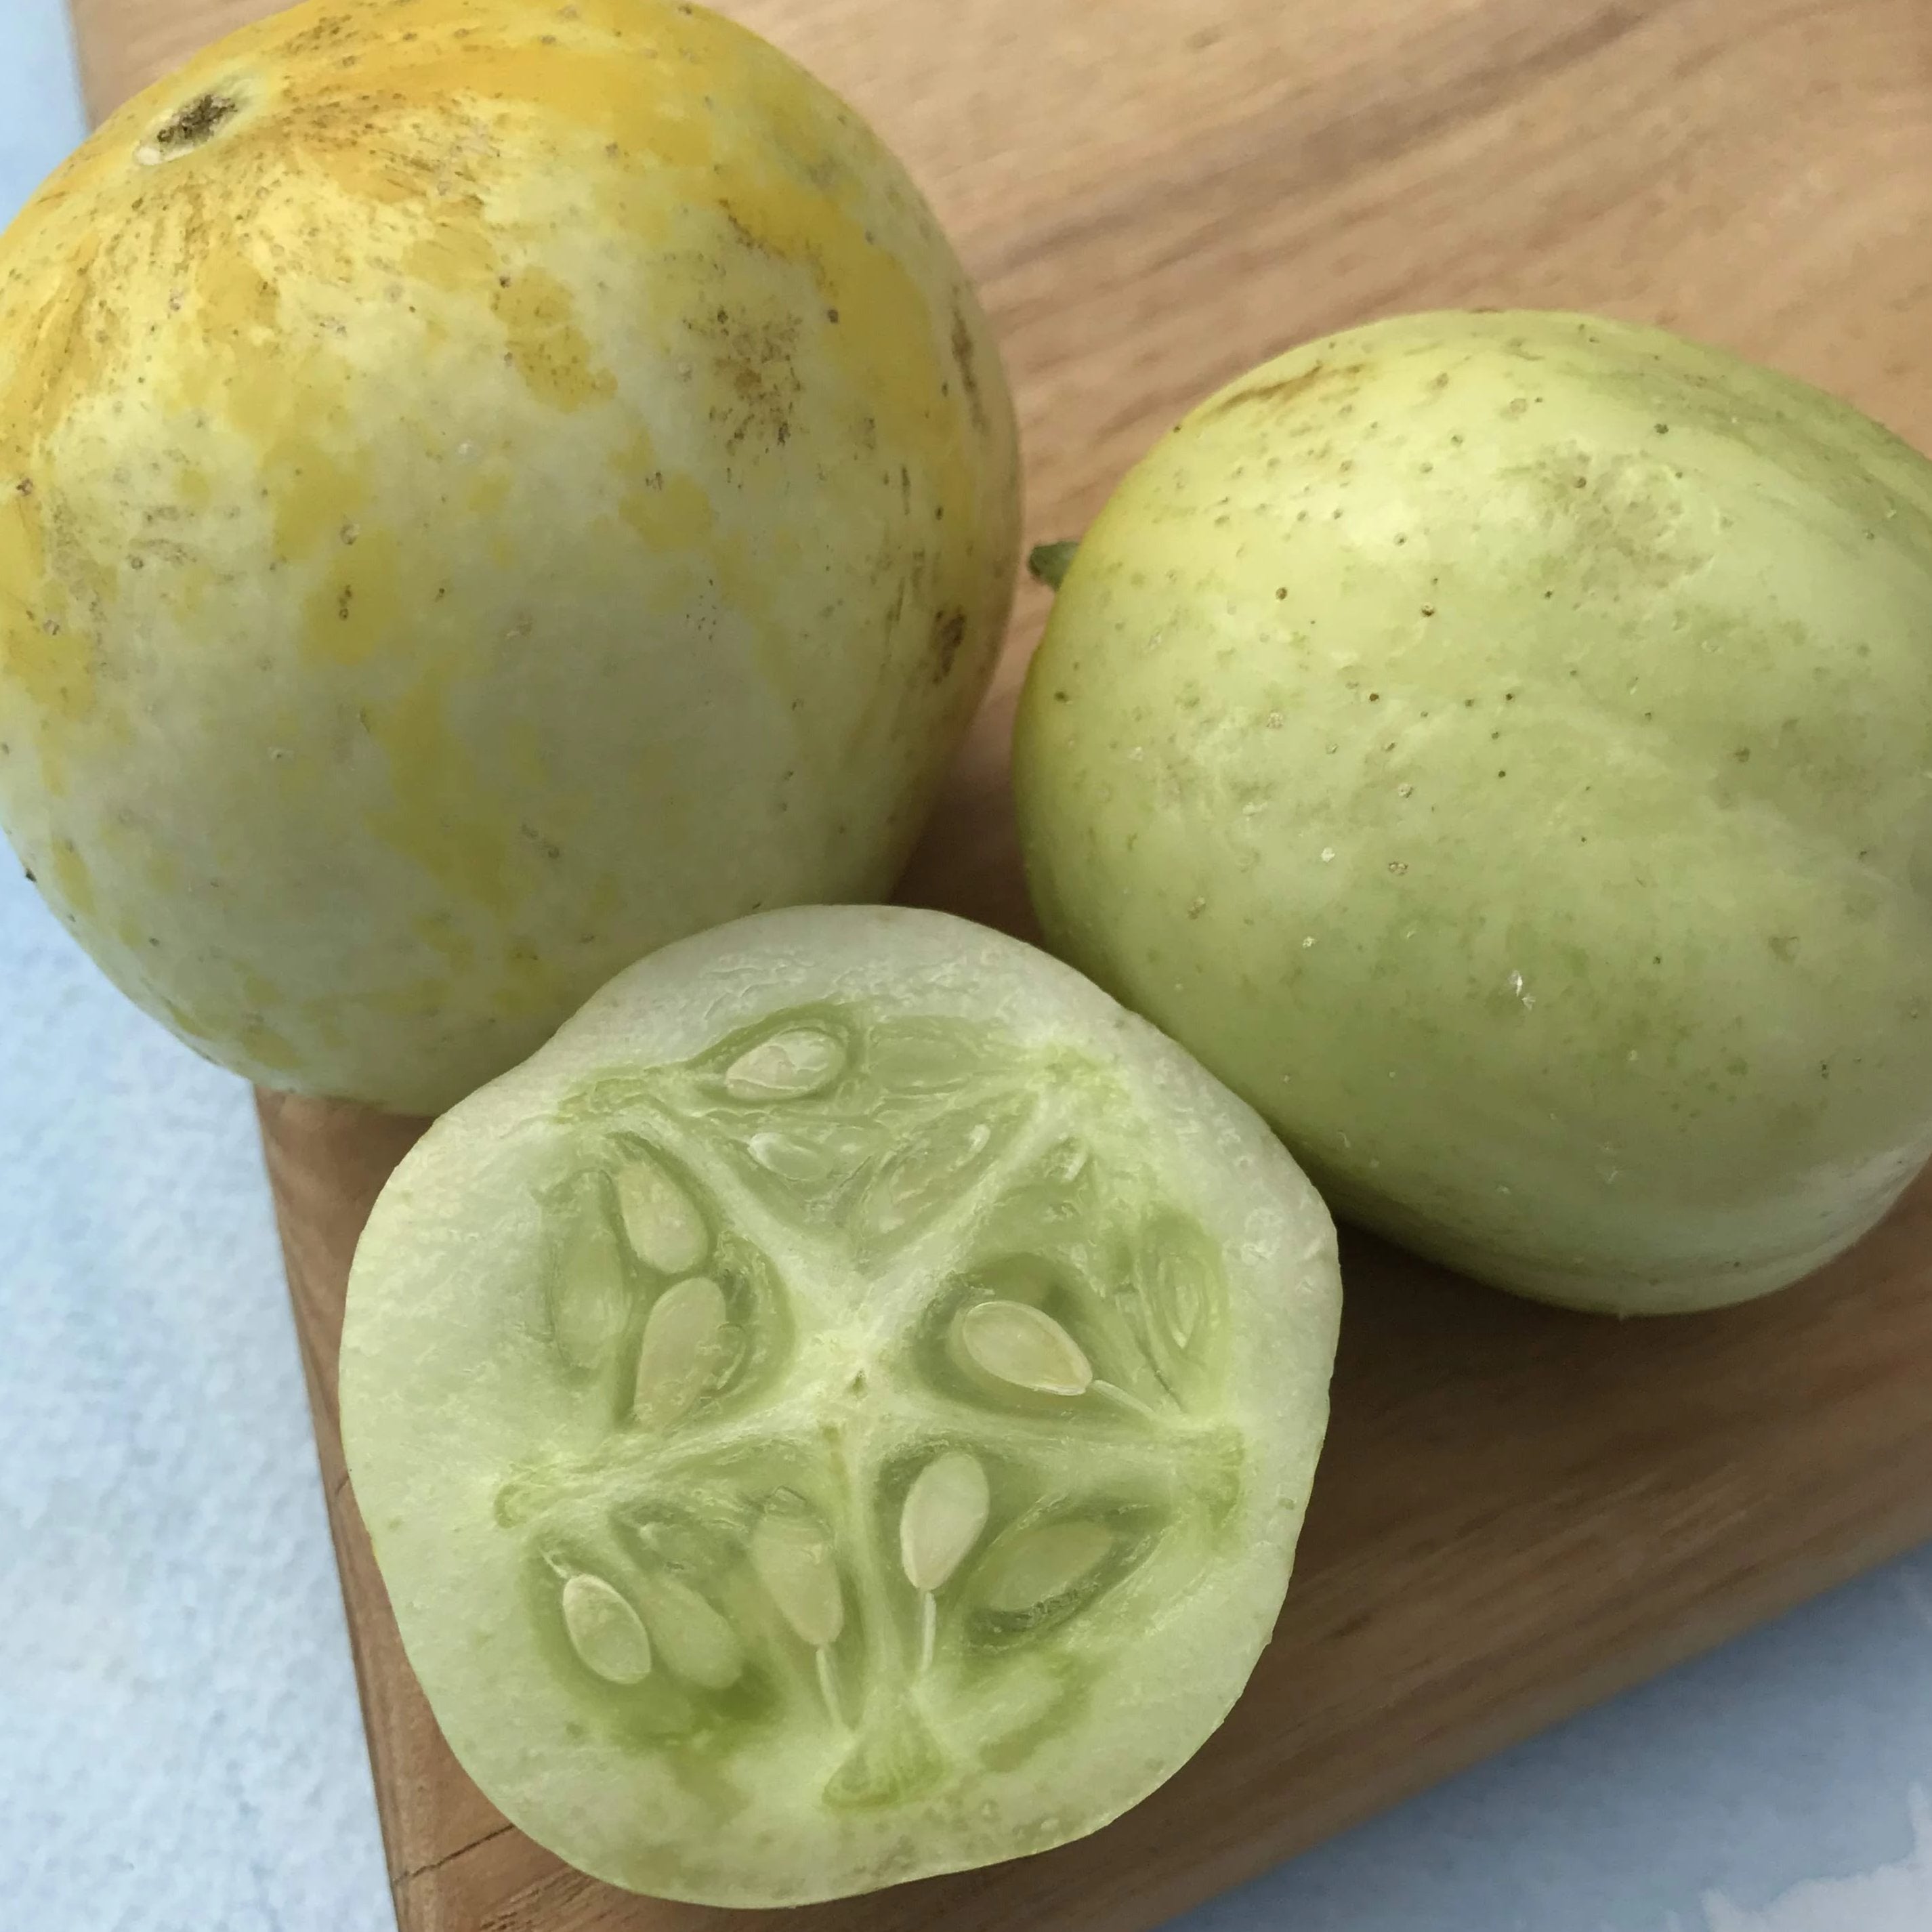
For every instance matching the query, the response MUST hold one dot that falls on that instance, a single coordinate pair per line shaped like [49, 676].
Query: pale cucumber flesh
[865, 1399]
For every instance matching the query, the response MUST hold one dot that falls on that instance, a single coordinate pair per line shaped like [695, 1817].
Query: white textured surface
[1894, 1898]
[180, 1749]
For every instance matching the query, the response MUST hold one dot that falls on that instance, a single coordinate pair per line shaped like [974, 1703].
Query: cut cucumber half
[841, 1411]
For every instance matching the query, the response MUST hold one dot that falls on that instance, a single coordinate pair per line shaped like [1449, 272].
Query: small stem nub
[1049, 562]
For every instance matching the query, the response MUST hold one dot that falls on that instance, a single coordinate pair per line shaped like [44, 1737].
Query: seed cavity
[607, 1635]
[922, 1057]
[687, 1342]
[1184, 1303]
[790, 1065]
[1018, 1343]
[792, 1555]
[792, 1159]
[589, 1296]
[945, 1513]
[694, 1641]
[927, 1175]
[1181, 1278]
[665, 1230]
[1042, 1565]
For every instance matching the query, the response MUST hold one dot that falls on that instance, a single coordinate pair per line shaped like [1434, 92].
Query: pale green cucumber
[842, 1411]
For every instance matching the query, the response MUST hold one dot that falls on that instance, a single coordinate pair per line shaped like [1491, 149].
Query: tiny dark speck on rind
[29, 870]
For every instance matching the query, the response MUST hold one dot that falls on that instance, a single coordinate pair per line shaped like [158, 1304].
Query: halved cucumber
[843, 1411]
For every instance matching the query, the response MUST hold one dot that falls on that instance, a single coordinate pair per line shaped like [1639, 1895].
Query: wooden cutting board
[1520, 1511]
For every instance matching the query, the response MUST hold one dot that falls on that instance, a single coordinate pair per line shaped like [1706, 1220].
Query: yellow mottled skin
[487, 487]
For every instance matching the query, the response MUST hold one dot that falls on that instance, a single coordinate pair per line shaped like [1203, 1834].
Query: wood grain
[1520, 1511]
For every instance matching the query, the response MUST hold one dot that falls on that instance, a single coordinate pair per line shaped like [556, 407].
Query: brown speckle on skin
[969, 375]
[752, 360]
[749, 237]
[189, 127]
[329, 31]
[949, 633]
[1290, 387]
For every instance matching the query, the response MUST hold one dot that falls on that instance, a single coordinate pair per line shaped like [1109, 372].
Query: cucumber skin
[1500, 746]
